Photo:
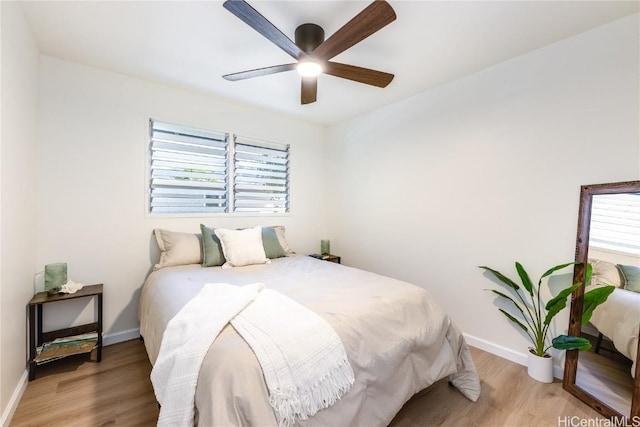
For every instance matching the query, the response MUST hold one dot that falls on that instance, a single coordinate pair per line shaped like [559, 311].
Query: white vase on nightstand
[540, 368]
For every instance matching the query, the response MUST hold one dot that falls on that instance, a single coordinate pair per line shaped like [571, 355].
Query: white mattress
[398, 340]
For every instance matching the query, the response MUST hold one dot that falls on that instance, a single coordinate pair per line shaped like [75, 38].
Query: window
[192, 171]
[261, 177]
[615, 222]
[188, 170]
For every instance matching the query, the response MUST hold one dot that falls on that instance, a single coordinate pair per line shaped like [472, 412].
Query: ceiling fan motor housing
[309, 37]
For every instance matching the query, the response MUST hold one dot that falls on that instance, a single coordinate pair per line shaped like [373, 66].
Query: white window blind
[615, 222]
[261, 176]
[188, 170]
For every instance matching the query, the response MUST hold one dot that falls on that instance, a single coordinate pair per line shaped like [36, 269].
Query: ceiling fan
[312, 52]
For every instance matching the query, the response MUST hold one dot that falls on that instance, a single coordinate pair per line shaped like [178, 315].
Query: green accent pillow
[212, 254]
[271, 244]
[631, 275]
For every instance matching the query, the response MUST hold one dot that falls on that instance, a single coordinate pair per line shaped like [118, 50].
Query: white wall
[92, 178]
[487, 170]
[17, 198]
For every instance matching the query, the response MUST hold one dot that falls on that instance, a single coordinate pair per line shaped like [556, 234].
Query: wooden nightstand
[327, 257]
[38, 338]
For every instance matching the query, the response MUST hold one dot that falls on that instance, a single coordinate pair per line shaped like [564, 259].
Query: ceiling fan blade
[309, 90]
[358, 74]
[259, 72]
[255, 20]
[376, 16]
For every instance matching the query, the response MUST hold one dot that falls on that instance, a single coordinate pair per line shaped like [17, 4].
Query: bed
[618, 318]
[398, 340]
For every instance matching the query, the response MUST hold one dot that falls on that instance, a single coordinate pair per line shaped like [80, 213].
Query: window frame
[231, 138]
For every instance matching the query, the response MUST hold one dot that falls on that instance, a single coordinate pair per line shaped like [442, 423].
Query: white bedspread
[398, 340]
[619, 320]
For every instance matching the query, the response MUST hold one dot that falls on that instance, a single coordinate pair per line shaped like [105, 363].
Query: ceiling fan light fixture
[309, 68]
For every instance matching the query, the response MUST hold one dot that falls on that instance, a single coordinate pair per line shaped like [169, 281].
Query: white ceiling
[191, 44]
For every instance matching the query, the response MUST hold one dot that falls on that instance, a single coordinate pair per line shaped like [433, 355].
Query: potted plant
[534, 316]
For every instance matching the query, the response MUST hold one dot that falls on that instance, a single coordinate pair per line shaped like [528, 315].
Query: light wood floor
[117, 391]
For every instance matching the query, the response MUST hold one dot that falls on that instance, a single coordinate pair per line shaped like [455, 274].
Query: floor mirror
[607, 377]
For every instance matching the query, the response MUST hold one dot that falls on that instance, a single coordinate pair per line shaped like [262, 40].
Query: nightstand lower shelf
[77, 345]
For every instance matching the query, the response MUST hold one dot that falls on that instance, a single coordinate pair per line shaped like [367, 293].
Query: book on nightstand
[67, 346]
[319, 256]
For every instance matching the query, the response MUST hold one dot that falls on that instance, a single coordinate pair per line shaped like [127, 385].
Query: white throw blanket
[304, 363]
[303, 360]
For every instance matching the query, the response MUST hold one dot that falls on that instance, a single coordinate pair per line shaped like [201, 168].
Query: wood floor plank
[118, 392]
[79, 392]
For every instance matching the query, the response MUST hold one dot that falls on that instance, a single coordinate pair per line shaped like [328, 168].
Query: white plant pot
[540, 368]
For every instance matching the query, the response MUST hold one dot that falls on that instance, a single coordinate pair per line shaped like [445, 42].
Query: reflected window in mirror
[615, 223]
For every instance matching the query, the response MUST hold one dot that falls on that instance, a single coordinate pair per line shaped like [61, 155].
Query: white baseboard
[507, 353]
[117, 337]
[498, 350]
[7, 414]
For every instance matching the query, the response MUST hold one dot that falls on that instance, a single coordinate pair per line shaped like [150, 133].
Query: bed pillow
[271, 243]
[212, 254]
[605, 273]
[281, 239]
[177, 248]
[242, 247]
[631, 275]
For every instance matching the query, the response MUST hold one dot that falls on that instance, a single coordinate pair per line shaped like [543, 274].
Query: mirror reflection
[607, 371]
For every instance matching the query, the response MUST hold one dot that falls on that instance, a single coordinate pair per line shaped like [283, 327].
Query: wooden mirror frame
[582, 245]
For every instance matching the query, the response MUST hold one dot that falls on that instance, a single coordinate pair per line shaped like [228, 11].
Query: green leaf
[568, 342]
[558, 303]
[526, 281]
[514, 320]
[504, 279]
[554, 269]
[587, 275]
[594, 298]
